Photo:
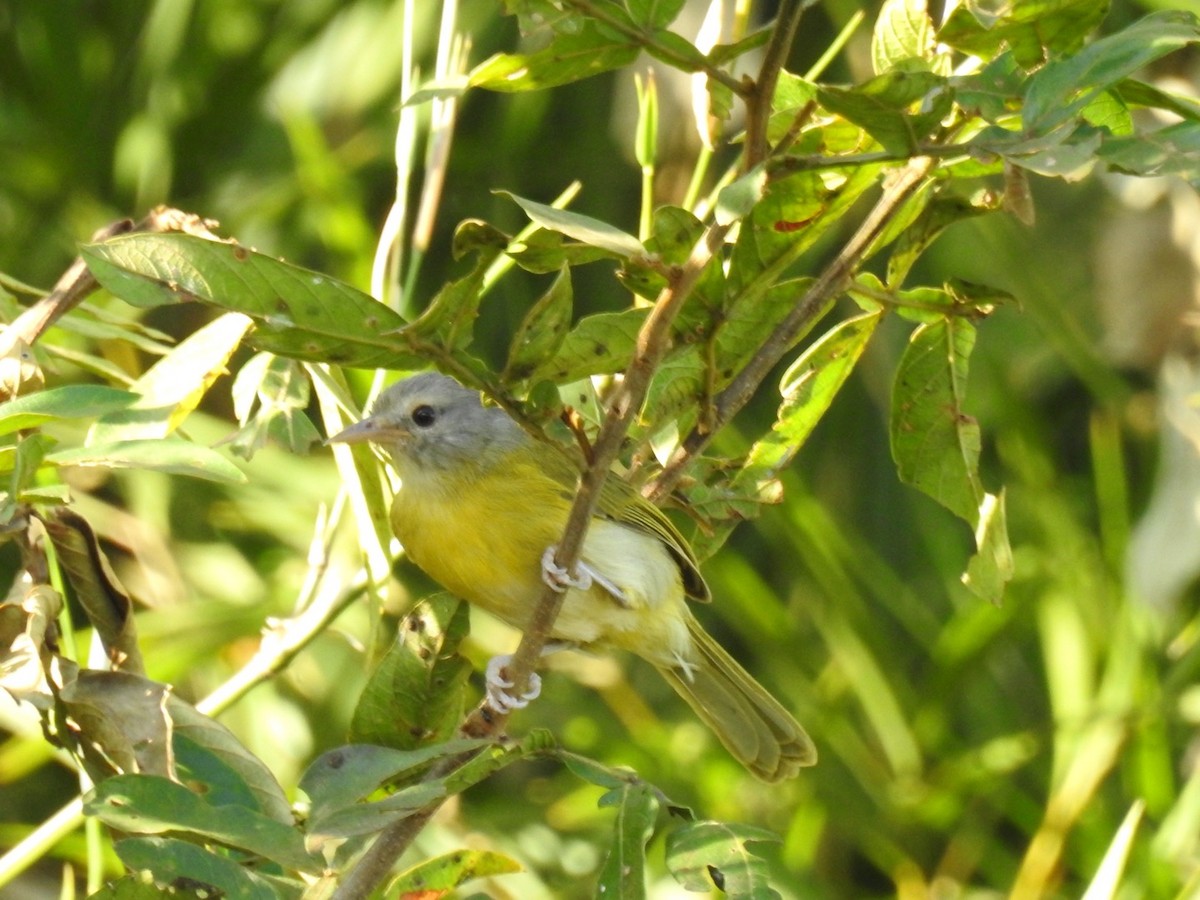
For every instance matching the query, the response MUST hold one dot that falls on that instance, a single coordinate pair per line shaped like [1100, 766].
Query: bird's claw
[559, 578]
[498, 684]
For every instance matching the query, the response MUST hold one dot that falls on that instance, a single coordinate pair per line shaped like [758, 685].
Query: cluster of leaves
[950, 126]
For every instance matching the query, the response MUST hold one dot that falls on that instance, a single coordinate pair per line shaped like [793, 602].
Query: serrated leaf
[76, 401]
[601, 344]
[172, 455]
[448, 871]
[297, 312]
[624, 871]
[174, 386]
[579, 227]
[934, 442]
[175, 862]
[903, 31]
[417, 693]
[567, 58]
[149, 804]
[542, 331]
[707, 855]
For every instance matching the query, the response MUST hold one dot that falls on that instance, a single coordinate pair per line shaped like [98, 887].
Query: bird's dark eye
[424, 416]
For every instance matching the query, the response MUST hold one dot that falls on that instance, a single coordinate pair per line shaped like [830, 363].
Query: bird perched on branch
[480, 507]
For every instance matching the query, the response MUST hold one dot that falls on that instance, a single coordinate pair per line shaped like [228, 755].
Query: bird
[480, 507]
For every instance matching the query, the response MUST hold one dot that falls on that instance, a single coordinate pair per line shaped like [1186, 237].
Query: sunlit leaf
[446, 872]
[569, 57]
[173, 455]
[624, 871]
[76, 401]
[579, 227]
[297, 312]
[903, 31]
[598, 345]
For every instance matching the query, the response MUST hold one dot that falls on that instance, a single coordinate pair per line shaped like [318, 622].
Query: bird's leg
[560, 579]
[497, 683]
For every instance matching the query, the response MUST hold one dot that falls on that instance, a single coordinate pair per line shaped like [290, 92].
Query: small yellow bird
[480, 506]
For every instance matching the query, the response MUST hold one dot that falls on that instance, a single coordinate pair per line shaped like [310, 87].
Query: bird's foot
[498, 685]
[559, 578]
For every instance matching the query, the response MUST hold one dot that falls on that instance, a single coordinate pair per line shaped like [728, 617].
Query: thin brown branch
[815, 302]
[758, 101]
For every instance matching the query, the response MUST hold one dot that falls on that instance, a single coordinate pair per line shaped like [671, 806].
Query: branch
[815, 302]
[758, 100]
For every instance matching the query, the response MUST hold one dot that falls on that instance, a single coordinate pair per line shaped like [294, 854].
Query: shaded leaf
[707, 855]
[149, 804]
[1060, 90]
[1033, 29]
[123, 718]
[417, 693]
[142, 886]
[881, 107]
[934, 442]
[108, 605]
[624, 871]
[542, 331]
[173, 861]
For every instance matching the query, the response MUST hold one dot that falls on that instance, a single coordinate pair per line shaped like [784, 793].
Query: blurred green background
[963, 746]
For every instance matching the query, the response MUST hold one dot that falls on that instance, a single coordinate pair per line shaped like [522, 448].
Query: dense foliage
[747, 260]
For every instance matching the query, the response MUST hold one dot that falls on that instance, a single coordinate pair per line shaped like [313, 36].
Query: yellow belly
[484, 543]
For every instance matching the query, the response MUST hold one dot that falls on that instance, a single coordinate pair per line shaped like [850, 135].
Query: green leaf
[150, 804]
[934, 442]
[1173, 150]
[141, 886]
[172, 861]
[169, 455]
[446, 872]
[343, 776]
[991, 568]
[579, 227]
[624, 871]
[1034, 29]
[903, 31]
[653, 13]
[808, 388]
[707, 855]
[598, 345]
[174, 386]
[546, 251]
[542, 331]
[447, 321]
[417, 693]
[567, 58]
[737, 200]
[76, 401]
[880, 107]
[297, 312]
[1061, 89]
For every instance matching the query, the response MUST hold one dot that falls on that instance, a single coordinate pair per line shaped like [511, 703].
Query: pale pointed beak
[370, 429]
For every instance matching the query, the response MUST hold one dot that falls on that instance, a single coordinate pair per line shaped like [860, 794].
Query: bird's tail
[752, 724]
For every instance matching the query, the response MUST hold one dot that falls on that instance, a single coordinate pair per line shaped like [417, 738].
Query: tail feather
[752, 724]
